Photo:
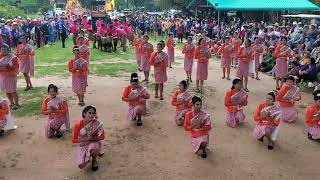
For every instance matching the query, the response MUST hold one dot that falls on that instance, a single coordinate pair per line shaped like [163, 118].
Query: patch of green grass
[57, 70]
[179, 46]
[303, 105]
[57, 54]
[54, 53]
[112, 69]
[154, 41]
[97, 55]
[31, 101]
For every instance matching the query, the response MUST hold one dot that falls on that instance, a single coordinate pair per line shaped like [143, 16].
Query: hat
[271, 47]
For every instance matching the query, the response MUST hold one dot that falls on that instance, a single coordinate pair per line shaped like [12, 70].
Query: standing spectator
[180, 31]
[44, 29]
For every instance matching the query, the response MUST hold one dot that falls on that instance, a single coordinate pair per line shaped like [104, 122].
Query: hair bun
[134, 75]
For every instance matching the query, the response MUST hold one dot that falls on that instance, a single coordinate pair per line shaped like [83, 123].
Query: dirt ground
[160, 150]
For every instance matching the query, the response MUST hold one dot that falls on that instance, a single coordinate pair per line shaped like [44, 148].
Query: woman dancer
[225, 51]
[88, 133]
[137, 43]
[287, 97]
[258, 50]
[188, 51]
[202, 54]
[236, 98]
[136, 96]
[56, 109]
[9, 69]
[4, 111]
[198, 123]
[236, 42]
[312, 117]
[267, 119]
[170, 49]
[146, 50]
[25, 54]
[78, 67]
[282, 53]
[159, 60]
[84, 49]
[182, 102]
[244, 55]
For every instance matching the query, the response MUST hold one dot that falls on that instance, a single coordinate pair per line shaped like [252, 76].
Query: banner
[110, 6]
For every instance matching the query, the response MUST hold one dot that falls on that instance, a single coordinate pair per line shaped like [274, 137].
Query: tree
[5, 13]
[316, 2]
[85, 3]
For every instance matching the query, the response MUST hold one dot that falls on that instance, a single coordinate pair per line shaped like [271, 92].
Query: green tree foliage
[172, 4]
[85, 3]
[9, 11]
[316, 2]
[31, 6]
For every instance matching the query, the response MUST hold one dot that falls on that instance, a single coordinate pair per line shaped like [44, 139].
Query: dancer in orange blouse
[258, 50]
[159, 60]
[56, 109]
[287, 97]
[25, 54]
[282, 53]
[78, 67]
[225, 51]
[312, 117]
[245, 55]
[198, 123]
[85, 40]
[83, 48]
[88, 133]
[182, 101]
[136, 95]
[4, 111]
[267, 119]
[146, 50]
[188, 51]
[136, 44]
[170, 49]
[202, 55]
[9, 69]
[236, 98]
[236, 42]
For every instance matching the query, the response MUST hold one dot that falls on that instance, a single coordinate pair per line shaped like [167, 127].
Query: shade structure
[266, 5]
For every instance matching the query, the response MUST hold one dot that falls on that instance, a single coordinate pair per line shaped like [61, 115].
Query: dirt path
[160, 150]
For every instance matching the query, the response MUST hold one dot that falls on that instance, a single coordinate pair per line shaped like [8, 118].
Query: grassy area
[154, 42]
[113, 69]
[179, 46]
[57, 70]
[104, 69]
[30, 101]
[57, 54]
[60, 56]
